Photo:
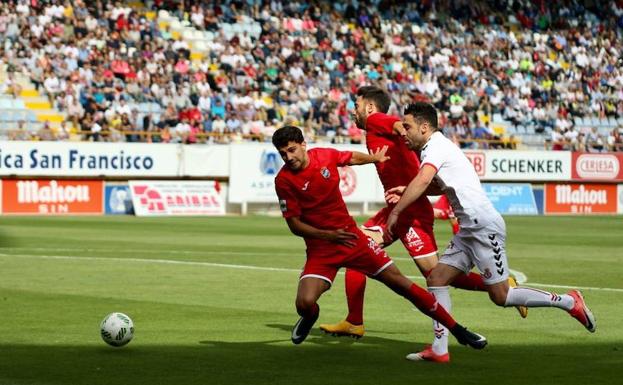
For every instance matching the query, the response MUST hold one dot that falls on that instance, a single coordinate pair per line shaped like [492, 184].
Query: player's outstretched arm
[378, 155]
[302, 229]
[414, 190]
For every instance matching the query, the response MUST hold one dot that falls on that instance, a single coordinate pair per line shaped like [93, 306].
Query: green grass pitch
[212, 303]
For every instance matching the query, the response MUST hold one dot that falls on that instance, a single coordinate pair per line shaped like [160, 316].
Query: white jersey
[458, 180]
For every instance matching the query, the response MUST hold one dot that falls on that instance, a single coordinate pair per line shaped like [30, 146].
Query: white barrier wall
[89, 159]
[253, 168]
[521, 165]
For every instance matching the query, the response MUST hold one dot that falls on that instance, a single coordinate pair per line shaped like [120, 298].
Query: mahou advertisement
[580, 198]
[52, 196]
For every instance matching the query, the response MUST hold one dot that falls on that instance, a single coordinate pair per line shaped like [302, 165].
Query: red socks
[471, 281]
[355, 288]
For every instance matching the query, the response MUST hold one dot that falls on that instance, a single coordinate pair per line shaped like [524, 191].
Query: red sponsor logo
[597, 166]
[348, 180]
[172, 198]
[580, 198]
[478, 161]
[149, 199]
[52, 197]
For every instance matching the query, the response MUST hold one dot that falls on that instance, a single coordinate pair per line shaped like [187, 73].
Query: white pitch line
[155, 261]
[248, 267]
[173, 252]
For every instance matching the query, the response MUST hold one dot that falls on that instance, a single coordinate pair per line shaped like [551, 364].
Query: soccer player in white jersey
[482, 232]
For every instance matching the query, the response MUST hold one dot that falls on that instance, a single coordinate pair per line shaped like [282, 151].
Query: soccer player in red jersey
[309, 197]
[415, 225]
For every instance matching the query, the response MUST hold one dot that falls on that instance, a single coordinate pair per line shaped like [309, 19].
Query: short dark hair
[423, 112]
[376, 95]
[287, 134]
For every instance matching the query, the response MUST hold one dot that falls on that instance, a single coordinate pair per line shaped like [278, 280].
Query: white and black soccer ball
[117, 329]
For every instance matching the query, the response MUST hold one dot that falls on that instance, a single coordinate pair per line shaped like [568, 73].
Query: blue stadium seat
[31, 117]
[5, 103]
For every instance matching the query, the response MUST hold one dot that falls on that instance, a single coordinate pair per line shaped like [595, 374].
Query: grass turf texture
[204, 321]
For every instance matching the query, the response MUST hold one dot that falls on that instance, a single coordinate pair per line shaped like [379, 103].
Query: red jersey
[313, 194]
[403, 164]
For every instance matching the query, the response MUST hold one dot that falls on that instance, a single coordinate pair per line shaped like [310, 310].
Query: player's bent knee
[305, 304]
[434, 278]
[498, 297]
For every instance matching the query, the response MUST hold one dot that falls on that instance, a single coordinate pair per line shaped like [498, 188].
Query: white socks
[440, 342]
[529, 297]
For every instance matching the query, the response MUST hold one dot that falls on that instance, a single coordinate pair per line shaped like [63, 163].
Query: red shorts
[417, 236]
[366, 257]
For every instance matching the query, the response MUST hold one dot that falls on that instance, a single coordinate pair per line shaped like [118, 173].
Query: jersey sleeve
[288, 204]
[434, 156]
[340, 158]
[380, 123]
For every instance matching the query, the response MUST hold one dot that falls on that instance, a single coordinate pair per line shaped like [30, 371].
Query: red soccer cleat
[428, 355]
[581, 312]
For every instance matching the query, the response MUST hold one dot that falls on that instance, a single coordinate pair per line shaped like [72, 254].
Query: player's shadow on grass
[372, 360]
[316, 336]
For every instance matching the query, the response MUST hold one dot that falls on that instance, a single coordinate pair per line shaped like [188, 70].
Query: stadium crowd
[537, 65]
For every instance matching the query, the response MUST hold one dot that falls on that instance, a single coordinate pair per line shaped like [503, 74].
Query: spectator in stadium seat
[20, 132]
[594, 141]
[45, 132]
[63, 132]
[557, 140]
[615, 139]
[392, 52]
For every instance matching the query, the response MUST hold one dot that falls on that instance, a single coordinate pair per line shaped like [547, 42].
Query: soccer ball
[117, 329]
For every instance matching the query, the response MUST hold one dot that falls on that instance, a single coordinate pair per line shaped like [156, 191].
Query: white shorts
[484, 247]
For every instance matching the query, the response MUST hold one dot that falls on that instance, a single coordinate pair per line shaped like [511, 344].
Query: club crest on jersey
[325, 172]
[283, 206]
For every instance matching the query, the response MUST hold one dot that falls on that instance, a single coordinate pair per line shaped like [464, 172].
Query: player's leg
[427, 304]
[437, 282]
[355, 285]
[573, 302]
[419, 240]
[374, 262]
[489, 252]
[309, 290]
[466, 281]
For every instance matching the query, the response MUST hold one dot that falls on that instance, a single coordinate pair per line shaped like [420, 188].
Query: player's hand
[393, 195]
[342, 237]
[392, 219]
[379, 154]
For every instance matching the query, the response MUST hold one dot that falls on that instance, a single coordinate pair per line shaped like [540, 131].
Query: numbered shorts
[483, 247]
[366, 257]
[417, 236]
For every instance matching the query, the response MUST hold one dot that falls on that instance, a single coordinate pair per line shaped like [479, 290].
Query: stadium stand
[506, 74]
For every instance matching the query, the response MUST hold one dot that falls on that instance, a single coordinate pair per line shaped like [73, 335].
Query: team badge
[325, 172]
[283, 206]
